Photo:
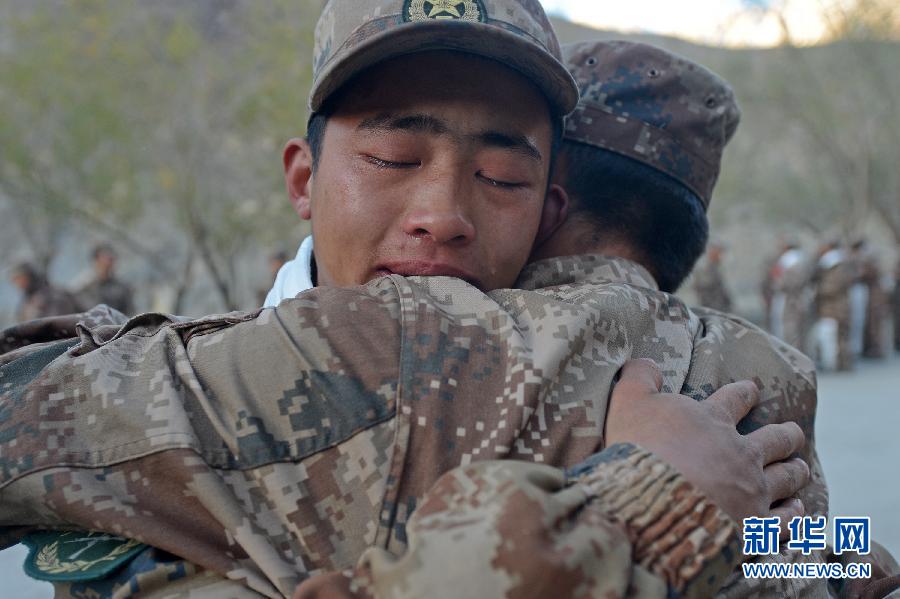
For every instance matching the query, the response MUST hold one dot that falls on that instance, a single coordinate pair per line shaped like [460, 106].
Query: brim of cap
[512, 50]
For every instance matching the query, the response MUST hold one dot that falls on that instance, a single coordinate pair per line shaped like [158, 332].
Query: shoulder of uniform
[739, 338]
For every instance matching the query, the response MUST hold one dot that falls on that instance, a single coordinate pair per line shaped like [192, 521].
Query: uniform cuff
[676, 531]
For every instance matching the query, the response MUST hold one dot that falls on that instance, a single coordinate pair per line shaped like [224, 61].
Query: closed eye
[382, 163]
[500, 184]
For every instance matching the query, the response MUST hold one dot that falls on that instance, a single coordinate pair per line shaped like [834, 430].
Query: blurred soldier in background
[790, 305]
[876, 309]
[709, 282]
[106, 288]
[896, 302]
[859, 299]
[275, 262]
[39, 298]
[766, 290]
[833, 277]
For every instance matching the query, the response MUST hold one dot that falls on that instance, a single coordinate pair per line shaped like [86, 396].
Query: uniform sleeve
[254, 445]
[622, 524]
[730, 349]
[17, 338]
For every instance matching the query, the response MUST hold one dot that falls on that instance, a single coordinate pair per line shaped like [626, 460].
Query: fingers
[778, 442]
[639, 378]
[787, 511]
[737, 399]
[785, 479]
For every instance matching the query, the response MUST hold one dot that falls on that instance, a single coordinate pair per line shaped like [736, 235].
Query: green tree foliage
[130, 117]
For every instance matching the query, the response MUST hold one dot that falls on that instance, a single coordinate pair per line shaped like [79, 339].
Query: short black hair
[103, 248]
[315, 135]
[26, 269]
[628, 201]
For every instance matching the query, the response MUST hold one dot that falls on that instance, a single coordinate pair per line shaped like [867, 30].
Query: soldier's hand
[745, 475]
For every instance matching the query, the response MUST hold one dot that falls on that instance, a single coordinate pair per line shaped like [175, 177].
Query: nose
[439, 215]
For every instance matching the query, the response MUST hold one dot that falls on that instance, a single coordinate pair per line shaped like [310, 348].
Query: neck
[577, 237]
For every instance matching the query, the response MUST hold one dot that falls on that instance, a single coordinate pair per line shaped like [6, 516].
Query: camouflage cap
[353, 35]
[653, 106]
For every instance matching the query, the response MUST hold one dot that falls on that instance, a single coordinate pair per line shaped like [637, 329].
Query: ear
[556, 208]
[298, 176]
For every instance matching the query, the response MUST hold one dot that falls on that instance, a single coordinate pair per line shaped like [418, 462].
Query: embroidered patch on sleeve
[76, 556]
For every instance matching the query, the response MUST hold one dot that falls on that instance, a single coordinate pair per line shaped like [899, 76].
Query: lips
[421, 268]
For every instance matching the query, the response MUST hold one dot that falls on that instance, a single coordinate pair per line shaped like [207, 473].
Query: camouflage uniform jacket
[46, 301]
[110, 291]
[268, 446]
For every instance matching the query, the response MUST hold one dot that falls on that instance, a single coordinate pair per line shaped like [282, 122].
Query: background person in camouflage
[832, 278]
[791, 304]
[256, 446]
[896, 306]
[106, 287]
[39, 297]
[709, 283]
[877, 319]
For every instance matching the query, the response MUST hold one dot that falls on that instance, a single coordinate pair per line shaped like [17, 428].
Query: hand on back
[745, 475]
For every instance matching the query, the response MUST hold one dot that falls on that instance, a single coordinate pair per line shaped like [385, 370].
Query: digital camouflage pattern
[109, 291]
[654, 107]
[269, 446]
[832, 281]
[545, 534]
[353, 35]
[791, 276]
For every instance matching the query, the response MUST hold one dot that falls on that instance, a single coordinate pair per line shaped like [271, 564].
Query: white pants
[859, 303]
[825, 343]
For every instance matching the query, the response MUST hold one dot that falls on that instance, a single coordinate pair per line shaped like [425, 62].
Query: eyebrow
[417, 123]
[424, 123]
[516, 143]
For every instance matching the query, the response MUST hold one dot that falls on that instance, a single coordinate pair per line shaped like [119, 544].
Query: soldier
[877, 301]
[39, 298]
[858, 294]
[766, 290]
[709, 282]
[106, 288]
[275, 262]
[791, 301]
[276, 460]
[896, 304]
[833, 277]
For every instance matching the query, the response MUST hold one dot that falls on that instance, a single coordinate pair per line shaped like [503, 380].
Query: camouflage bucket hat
[353, 35]
[652, 106]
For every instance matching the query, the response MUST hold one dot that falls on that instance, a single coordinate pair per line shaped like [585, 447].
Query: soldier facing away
[791, 298]
[875, 323]
[833, 277]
